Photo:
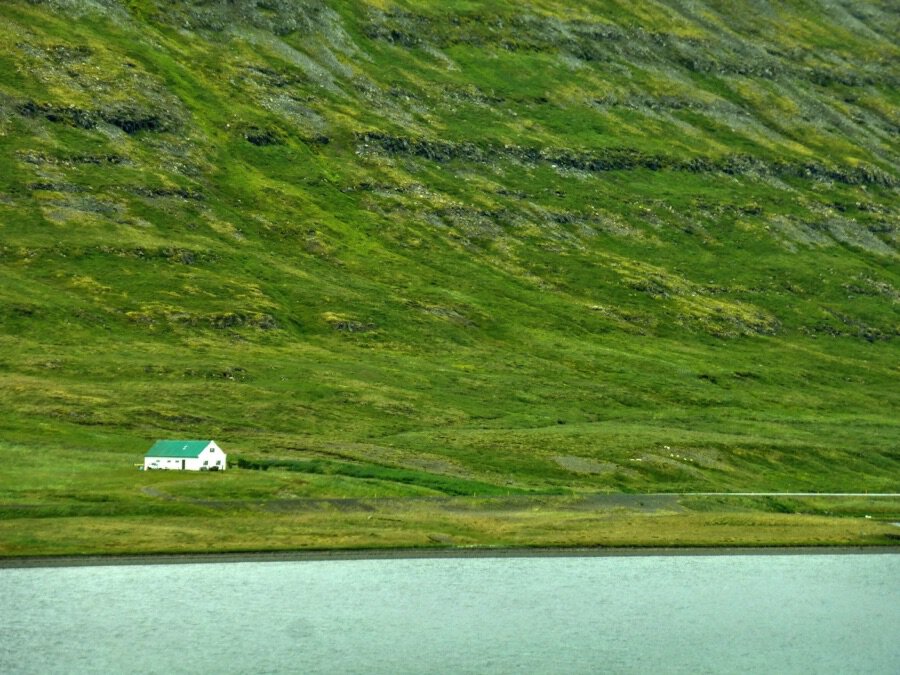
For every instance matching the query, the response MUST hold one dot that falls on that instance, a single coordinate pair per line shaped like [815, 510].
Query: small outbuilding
[185, 456]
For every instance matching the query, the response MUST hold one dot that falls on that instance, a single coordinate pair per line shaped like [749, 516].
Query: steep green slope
[434, 248]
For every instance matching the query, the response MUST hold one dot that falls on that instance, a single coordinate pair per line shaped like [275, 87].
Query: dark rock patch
[262, 137]
[617, 159]
[176, 192]
[68, 115]
[46, 186]
[130, 119]
[353, 326]
[33, 157]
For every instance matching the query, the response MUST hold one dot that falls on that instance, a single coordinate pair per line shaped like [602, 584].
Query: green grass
[415, 525]
[599, 247]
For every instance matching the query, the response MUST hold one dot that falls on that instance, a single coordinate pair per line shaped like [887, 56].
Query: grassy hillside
[390, 249]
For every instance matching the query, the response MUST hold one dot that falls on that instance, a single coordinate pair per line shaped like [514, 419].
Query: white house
[185, 456]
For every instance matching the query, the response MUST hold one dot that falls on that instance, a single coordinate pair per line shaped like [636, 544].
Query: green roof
[177, 448]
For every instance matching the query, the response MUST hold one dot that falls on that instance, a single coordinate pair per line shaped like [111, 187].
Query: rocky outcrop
[618, 159]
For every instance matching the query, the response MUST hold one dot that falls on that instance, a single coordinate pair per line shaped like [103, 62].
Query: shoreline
[320, 555]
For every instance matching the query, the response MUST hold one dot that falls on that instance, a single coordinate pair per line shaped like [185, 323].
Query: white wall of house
[172, 463]
[212, 457]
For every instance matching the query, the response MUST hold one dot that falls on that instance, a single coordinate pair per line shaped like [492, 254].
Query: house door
[182, 465]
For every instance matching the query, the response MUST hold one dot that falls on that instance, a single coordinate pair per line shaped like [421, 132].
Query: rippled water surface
[692, 614]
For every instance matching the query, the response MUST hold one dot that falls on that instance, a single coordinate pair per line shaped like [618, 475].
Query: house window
[205, 463]
[218, 462]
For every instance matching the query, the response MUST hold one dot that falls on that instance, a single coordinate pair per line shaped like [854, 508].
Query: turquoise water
[642, 614]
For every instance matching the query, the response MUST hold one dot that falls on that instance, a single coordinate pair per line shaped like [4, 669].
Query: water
[691, 614]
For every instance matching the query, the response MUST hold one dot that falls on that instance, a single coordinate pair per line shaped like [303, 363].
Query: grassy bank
[459, 523]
